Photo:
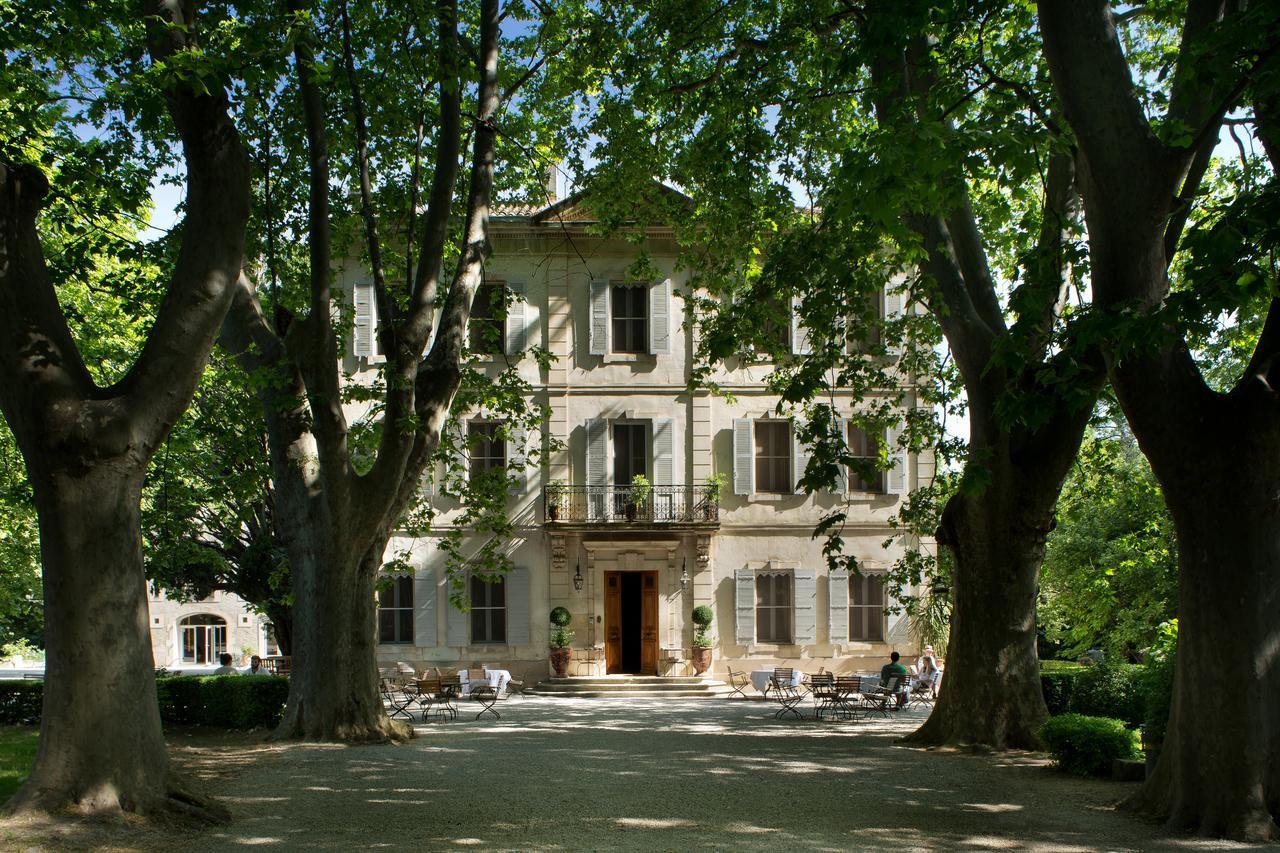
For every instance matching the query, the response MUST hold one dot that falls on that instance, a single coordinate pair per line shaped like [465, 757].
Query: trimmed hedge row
[1105, 690]
[1087, 746]
[242, 702]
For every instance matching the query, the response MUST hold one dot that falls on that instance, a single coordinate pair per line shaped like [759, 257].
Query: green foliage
[1058, 684]
[641, 489]
[1109, 690]
[702, 617]
[232, 702]
[1110, 575]
[1157, 682]
[20, 649]
[1086, 746]
[560, 616]
[561, 638]
[17, 753]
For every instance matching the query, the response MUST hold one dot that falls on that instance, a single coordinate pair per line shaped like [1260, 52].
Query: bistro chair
[785, 694]
[739, 681]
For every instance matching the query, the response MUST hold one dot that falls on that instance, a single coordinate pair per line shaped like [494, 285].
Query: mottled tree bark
[101, 748]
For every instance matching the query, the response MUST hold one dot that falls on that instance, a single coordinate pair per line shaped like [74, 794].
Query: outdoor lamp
[684, 573]
[577, 577]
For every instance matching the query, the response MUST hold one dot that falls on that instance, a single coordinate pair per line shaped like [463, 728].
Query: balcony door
[630, 458]
[631, 623]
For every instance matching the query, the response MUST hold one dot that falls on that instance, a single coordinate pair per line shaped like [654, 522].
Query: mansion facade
[724, 525]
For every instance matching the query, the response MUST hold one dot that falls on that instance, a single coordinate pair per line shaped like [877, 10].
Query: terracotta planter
[629, 510]
[560, 661]
[553, 512]
[701, 660]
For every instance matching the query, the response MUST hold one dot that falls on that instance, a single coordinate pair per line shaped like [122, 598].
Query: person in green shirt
[893, 669]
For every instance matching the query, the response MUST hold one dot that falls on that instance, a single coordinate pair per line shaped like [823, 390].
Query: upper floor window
[630, 317]
[395, 611]
[774, 602]
[866, 607]
[488, 612]
[487, 449]
[629, 304]
[486, 329]
[773, 457]
[865, 447]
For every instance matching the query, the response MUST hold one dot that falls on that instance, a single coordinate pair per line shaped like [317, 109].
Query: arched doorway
[204, 637]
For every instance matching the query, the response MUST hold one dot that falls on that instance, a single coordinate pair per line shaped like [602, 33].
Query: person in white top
[256, 667]
[226, 668]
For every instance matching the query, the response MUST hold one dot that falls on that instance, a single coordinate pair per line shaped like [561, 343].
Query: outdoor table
[760, 679]
[498, 679]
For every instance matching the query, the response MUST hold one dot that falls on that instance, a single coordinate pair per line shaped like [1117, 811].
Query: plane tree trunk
[1215, 454]
[101, 749]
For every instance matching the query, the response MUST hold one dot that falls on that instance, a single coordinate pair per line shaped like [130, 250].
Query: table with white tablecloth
[495, 678]
[760, 678]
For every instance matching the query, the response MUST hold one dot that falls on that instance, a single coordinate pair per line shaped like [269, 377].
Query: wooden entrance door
[626, 635]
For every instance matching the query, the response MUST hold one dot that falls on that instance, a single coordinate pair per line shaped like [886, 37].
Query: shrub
[1086, 746]
[242, 702]
[1057, 682]
[561, 617]
[1156, 680]
[20, 702]
[1109, 690]
[702, 618]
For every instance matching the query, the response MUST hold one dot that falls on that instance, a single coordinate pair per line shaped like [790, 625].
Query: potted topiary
[555, 498]
[711, 503]
[702, 618]
[638, 496]
[561, 637]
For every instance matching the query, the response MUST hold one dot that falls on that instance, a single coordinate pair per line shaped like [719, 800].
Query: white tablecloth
[496, 678]
[760, 678]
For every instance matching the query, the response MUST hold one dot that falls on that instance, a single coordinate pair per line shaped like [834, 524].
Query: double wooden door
[631, 622]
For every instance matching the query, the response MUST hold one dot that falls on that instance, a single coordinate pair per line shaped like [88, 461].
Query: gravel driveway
[609, 774]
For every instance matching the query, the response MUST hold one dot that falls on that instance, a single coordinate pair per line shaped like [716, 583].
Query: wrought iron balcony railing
[618, 505]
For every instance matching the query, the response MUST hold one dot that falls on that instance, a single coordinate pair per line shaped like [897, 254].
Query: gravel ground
[608, 774]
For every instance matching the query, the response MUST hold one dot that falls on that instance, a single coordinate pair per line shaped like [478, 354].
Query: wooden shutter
[799, 459]
[805, 607]
[745, 606]
[455, 622]
[517, 597]
[364, 342]
[517, 330]
[838, 606]
[424, 607]
[460, 454]
[842, 473]
[663, 452]
[895, 479]
[597, 448]
[660, 317]
[893, 306]
[799, 332]
[744, 457]
[598, 334]
[517, 454]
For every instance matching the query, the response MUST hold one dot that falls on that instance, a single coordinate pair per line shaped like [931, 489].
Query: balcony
[579, 507]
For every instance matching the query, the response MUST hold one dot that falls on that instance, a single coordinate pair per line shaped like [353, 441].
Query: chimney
[552, 195]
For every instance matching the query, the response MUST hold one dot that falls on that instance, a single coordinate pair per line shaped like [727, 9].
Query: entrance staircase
[632, 687]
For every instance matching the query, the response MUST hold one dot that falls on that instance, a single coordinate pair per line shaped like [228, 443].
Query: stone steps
[632, 687]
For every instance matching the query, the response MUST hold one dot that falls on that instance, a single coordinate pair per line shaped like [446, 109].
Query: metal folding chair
[787, 696]
[739, 681]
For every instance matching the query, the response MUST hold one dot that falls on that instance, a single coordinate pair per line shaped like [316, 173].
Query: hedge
[1058, 682]
[1110, 690]
[229, 702]
[1087, 746]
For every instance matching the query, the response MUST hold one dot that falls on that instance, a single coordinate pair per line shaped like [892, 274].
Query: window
[866, 608]
[487, 325]
[203, 638]
[630, 321]
[630, 452]
[773, 457]
[395, 611]
[865, 447]
[773, 607]
[488, 612]
[488, 451]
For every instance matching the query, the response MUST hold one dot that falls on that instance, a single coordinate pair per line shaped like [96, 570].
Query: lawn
[17, 751]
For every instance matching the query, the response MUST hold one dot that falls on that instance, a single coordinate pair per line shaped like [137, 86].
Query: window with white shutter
[364, 331]
[629, 317]
[799, 332]
[395, 611]
[660, 317]
[865, 476]
[775, 607]
[866, 607]
[517, 323]
[895, 479]
[743, 457]
[598, 331]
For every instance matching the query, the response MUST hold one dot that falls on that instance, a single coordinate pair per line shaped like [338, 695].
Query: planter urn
[701, 660]
[560, 660]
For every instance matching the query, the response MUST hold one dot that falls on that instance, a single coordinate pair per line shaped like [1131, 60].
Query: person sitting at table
[893, 669]
[928, 653]
[929, 674]
[226, 668]
[256, 667]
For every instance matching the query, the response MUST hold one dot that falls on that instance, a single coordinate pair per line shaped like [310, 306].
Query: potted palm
[702, 618]
[638, 497]
[561, 637]
[555, 499]
[711, 503]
